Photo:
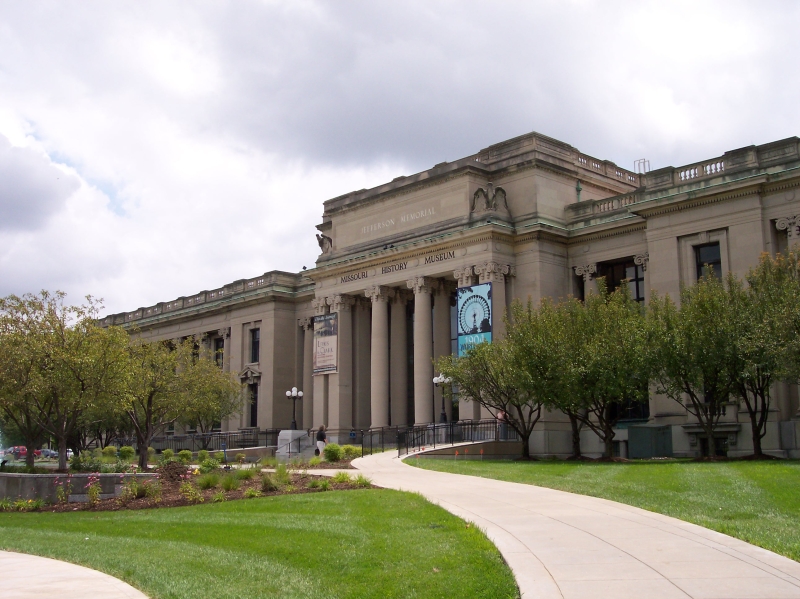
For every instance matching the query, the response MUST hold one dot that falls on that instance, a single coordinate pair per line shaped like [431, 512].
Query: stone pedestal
[294, 444]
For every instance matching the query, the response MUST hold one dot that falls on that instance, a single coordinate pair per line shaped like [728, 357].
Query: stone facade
[534, 216]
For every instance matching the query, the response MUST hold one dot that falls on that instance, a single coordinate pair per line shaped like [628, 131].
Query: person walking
[322, 439]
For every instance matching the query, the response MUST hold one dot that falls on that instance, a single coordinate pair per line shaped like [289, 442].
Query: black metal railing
[216, 441]
[408, 439]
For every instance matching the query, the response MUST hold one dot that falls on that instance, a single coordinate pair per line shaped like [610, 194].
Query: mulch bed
[171, 497]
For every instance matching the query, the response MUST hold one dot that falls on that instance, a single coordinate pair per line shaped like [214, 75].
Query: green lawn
[367, 543]
[758, 502]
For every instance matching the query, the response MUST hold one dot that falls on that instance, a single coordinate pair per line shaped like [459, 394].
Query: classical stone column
[379, 364]
[340, 385]
[494, 273]
[398, 374]
[423, 350]
[362, 363]
[587, 271]
[225, 333]
[441, 340]
[307, 324]
[319, 395]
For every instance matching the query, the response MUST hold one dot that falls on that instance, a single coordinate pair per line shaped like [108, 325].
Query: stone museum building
[532, 216]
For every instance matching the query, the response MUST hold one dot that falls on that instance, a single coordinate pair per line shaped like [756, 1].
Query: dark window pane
[708, 254]
[630, 272]
[255, 345]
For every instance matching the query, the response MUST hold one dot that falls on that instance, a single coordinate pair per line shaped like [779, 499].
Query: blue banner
[474, 316]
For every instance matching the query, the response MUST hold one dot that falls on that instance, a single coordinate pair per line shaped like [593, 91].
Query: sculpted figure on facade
[325, 243]
[491, 199]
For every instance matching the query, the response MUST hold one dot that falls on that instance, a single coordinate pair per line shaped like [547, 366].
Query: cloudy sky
[155, 149]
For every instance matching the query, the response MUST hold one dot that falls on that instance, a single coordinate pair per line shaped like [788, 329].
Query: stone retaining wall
[43, 486]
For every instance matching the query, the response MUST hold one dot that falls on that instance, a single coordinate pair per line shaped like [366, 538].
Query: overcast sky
[155, 149]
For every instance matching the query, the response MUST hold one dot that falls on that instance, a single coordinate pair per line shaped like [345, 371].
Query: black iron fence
[414, 438]
[240, 439]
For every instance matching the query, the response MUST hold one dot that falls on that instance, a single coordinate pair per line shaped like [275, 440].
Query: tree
[765, 317]
[487, 374]
[605, 363]
[74, 364]
[211, 394]
[153, 397]
[694, 350]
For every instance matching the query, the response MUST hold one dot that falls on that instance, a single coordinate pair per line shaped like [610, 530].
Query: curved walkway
[24, 576]
[567, 546]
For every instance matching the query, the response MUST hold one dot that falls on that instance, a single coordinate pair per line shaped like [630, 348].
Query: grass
[364, 543]
[758, 502]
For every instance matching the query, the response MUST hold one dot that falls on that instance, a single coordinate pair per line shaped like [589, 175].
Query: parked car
[49, 453]
[20, 452]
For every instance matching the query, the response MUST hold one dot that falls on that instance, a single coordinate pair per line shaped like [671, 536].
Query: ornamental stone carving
[250, 375]
[586, 271]
[642, 260]
[379, 293]
[320, 306]
[341, 302]
[224, 332]
[790, 224]
[307, 324]
[492, 272]
[490, 199]
[464, 276]
[325, 243]
[421, 285]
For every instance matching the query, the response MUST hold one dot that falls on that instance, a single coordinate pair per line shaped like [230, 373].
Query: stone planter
[43, 486]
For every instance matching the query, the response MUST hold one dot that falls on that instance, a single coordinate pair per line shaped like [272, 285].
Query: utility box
[649, 441]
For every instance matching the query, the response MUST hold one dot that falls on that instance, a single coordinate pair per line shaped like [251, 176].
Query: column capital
[422, 285]
[586, 271]
[492, 272]
[790, 224]
[642, 260]
[307, 324]
[340, 302]
[224, 332]
[379, 293]
[320, 305]
[464, 276]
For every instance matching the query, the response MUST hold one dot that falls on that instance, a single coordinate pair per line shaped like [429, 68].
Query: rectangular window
[624, 272]
[255, 345]
[708, 257]
[254, 405]
[219, 349]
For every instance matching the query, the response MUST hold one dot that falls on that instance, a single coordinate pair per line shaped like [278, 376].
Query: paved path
[561, 545]
[25, 576]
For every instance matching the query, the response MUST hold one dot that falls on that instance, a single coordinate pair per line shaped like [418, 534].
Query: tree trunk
[608, 443]
[576, 435]
[757, 451]
[143, 446]
[62, 454]
[30, 456]
[526, 447]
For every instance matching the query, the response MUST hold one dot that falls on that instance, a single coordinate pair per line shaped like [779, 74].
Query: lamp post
[294, 395]
[442, 380]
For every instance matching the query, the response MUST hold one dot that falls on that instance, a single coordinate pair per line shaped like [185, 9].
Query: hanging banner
[474, 316]
[326, 335]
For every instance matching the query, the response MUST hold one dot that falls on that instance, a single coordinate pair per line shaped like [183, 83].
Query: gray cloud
[31, 188]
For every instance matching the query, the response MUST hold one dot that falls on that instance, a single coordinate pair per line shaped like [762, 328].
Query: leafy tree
[694, 350]
[604, 341]
[487, 374]
[211, 394]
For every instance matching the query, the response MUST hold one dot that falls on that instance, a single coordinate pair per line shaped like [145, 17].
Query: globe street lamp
[442, 380]
[294, 395]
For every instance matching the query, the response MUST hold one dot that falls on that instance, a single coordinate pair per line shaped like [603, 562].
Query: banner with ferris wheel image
[474, 305]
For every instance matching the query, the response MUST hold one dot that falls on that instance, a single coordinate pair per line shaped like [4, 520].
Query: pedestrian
[322, 439]
[502, 421]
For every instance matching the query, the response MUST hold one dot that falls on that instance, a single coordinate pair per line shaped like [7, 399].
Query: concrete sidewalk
[561, 545]
[25, 576]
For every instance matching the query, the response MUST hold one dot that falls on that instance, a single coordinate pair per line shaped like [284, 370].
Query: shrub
[151, 454]
[85, 462]
[185, 456]
[152, 489]
[363, 481]
[269, 461]
[132, 489]
[252, 493]
[240, 457]
[218, 497]
[93, 489]
[97, 452]
[333, 452]
[127, 453]
[63, 489]
[245, 473]
[268, 484]
[209, 465]
[110, 451]
[167, 454]
[190, 492]
[208, 481]
[5, 504]
[324, 485]
[313, 484]
[351, 452]
[315, 461]
[230, 482]
[203, 455]
[342, 477]
[282, 475]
